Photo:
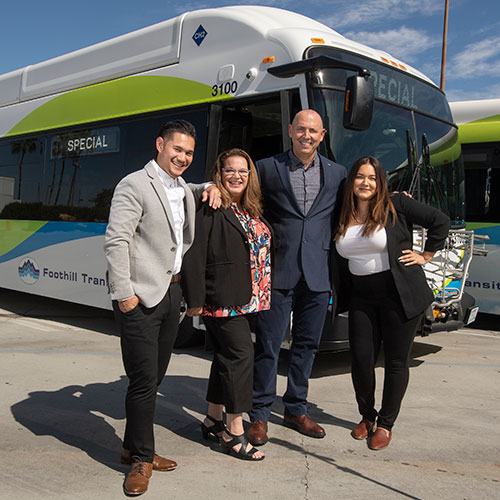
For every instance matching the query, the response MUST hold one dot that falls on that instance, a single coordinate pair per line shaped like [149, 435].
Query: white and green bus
[479, 131]
[73, 126]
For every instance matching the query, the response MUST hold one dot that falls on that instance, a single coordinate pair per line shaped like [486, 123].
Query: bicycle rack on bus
[448, 270]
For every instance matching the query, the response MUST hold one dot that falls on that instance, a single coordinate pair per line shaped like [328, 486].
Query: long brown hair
[379, 206]
[252, 196]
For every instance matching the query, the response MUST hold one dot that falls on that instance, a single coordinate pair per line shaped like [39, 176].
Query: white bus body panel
[148, 48]
[73, 270]
[239, 33]
[10, 86]
[469, 111]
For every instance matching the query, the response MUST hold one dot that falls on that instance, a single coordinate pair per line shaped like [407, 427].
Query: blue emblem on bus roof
[199, 35]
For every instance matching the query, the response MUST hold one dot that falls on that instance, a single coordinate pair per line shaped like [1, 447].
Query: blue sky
[31, 31]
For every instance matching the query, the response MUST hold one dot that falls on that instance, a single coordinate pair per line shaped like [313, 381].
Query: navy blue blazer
[301, 241]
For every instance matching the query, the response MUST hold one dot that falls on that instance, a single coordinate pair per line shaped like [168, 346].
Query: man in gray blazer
[151, 226]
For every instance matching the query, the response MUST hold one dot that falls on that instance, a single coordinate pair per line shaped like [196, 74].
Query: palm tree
[61, 175]
[56, 151]
[23, 147]
[76, 166]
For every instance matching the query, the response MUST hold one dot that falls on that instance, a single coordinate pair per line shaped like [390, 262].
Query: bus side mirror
[358, 106]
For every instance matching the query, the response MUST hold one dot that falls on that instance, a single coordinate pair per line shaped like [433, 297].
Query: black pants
[147, 339]
[231, 374]
[376, 318]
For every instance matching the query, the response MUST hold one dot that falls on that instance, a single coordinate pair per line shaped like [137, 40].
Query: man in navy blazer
[299, 188]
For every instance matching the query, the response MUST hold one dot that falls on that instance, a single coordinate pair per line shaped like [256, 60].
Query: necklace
[361, 220]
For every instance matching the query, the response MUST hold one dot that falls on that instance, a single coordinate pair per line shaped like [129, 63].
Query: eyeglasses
[231, 172]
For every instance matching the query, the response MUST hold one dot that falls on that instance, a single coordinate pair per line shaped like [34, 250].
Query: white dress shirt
[175, 195]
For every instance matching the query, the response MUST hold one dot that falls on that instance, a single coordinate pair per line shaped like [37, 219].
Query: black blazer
[216, 269]
[410, 281]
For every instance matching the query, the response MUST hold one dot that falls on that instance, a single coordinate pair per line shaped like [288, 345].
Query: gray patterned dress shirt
[306, 183]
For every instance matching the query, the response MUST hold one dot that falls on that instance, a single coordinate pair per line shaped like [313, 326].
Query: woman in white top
[388, 289]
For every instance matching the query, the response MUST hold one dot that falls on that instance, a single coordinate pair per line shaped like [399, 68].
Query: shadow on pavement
[485, 321]
[68, 313]
[73, 415]
[79, 415]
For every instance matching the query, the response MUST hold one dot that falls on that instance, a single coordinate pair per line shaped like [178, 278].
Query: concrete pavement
[62, 416]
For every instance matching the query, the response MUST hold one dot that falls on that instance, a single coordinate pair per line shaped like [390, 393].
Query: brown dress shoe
[380, 439]
[138, 478]
[159, 463]
[363, 429]
[257, 433]
[305, 425]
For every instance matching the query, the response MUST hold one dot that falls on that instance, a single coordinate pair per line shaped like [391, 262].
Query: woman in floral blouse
[227, 279]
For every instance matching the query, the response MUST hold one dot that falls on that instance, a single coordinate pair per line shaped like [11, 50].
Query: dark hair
[181, 126]
[252, 197]
[380, 204]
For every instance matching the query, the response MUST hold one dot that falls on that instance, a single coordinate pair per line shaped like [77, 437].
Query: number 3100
[224, 88]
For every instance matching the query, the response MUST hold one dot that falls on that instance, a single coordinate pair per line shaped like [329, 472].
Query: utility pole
[445, 36]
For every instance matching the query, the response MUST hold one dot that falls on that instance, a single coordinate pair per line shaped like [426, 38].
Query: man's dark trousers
[309, 310]
[147, 340]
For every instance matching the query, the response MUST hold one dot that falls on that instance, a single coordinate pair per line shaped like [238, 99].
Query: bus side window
[21, 171]
[70, 175]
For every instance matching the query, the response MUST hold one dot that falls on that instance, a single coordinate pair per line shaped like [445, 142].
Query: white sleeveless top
[366, 255]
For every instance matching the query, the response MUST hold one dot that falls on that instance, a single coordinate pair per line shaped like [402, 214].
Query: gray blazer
[140, 239]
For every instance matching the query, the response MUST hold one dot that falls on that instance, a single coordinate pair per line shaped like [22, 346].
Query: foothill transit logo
[28, 270]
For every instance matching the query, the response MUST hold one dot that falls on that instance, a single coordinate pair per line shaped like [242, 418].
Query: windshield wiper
[417, 167]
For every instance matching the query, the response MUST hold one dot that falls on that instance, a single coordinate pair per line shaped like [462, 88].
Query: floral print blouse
[259, 239]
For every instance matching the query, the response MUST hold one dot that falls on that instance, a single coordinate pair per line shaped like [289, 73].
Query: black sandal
[242, 453]
[213, 429]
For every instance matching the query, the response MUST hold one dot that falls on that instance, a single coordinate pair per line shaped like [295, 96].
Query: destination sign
[391, 85]
[394, 88]
[85, 142]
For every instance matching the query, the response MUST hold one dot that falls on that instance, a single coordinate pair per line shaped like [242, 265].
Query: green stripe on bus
[480, 225]
[484, 130]
[14, 232]
[122, 97]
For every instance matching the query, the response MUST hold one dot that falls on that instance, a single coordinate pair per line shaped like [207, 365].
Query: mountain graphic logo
[28, 270]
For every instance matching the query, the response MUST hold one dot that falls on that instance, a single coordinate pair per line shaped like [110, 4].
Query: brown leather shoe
[159, 463]
[257, 433]
[138, 478]
[363, 429]
[305, 425]
[380, 439]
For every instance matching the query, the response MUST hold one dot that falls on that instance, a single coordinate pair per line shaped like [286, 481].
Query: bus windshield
[417, 108]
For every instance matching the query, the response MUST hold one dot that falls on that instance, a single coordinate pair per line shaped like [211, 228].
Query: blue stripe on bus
[493, 232]
[54, 233]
